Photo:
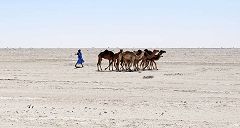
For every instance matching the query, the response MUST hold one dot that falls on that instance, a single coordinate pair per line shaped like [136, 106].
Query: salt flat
[196, 88]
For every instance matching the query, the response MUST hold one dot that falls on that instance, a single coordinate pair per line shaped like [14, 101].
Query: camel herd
[130, 60]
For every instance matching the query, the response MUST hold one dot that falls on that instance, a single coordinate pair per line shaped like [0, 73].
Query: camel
[155, 58]
[116, 59]
[128, 59]
[121, 62]
[105, 55]
[145, 60]
[139, 57]
[132, 59]
[148, 55]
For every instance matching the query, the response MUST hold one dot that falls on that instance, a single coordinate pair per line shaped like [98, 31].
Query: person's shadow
[76, 67]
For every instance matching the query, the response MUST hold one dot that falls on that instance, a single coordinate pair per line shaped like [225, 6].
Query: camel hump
[128, 52]
[111, 53]
[139, 52]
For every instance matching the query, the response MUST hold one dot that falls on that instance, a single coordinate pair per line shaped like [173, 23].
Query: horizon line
[118, 47]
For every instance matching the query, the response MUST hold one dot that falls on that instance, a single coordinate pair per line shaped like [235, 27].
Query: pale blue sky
[119, 23]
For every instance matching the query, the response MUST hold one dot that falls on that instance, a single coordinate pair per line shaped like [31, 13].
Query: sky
[120, 23]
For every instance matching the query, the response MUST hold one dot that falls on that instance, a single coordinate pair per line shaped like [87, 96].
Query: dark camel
[109, 55]
[116, 59]
[156, 58]
[139, 57]
[148, 55]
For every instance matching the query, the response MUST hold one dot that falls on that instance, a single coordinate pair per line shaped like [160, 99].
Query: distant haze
[119, 23]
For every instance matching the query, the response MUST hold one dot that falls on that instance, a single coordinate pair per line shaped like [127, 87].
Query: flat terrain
[196, 88]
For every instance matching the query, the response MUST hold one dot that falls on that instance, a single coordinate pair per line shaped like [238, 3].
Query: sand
[196, 88]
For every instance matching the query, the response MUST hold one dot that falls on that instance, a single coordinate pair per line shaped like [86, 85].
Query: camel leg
[133, 64]
[117, 65]
[126, 65]
[99, 66]
[142, 64]
[122, 65]
[108, 66]
[99, 63]
[129, 66]
[151, 65]
[136, 65]
[155, 65]
[146, 65]
[112, 64]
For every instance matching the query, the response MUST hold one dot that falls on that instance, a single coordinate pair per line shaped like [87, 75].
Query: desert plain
[193, 88]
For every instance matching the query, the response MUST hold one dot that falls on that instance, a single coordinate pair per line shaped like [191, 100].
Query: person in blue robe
[80, 59]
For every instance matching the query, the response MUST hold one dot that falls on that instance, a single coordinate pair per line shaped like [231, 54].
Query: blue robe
[80, 58]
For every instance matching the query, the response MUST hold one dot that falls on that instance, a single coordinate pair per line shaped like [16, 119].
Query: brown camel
[128, 59]
[139, 57]
[147, 56]
[155, 58]
[145, 59]
[121, 63]
[132, 59]
[116, 59]
[105, 55]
